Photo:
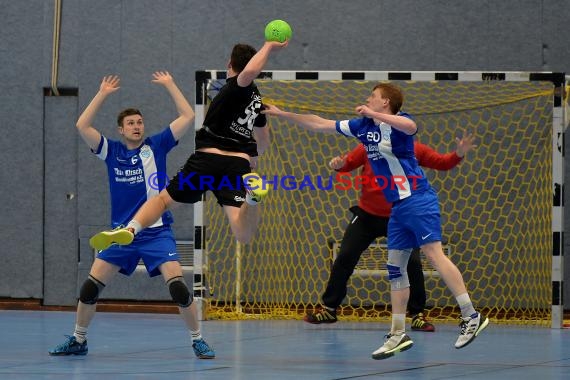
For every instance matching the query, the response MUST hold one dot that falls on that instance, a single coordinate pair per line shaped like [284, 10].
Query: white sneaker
[393, 345]
[470, 328]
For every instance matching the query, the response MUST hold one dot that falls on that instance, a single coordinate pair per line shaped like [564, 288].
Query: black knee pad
[179, 292]
[90, 290]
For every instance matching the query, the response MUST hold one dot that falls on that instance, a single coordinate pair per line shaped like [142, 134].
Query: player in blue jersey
[232, 137]
[136, 168]
[387, 133]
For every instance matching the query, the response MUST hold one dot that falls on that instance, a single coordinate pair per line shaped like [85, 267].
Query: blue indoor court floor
[157, 346]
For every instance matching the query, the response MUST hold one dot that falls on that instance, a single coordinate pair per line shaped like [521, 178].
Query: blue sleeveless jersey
[391, 156]
[136, 175]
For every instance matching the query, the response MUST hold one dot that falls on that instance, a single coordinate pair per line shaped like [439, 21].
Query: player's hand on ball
[276, 45]
[278, 30]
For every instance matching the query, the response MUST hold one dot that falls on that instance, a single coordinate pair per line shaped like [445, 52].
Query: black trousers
[363, 229]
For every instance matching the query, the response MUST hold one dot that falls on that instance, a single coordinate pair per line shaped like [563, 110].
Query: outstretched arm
[402, 123]
[185, 112]
[90, 135]
[429, 158]
[309, 122]
[257, 62]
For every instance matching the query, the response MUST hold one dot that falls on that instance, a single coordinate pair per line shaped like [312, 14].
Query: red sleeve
[429, 158]
[355, 159]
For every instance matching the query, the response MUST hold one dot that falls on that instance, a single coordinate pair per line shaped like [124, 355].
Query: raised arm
[185, 112]
[309, 122]
[90, 135]
[258, 61]
[429, 158]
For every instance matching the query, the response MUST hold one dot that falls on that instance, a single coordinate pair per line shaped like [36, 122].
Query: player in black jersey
[233, 136]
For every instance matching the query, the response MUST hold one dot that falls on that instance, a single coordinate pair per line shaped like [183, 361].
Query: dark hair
[127, 112]
[393, 93]
[241, 54]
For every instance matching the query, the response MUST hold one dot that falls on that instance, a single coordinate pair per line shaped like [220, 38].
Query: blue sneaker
[202, 350]
[70, 347]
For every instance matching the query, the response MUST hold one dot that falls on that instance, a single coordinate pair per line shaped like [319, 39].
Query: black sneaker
[322, 316]
[420, 323]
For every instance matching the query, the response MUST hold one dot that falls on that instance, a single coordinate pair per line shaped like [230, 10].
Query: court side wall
[54, 190]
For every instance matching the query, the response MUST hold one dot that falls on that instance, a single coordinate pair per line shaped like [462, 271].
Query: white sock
[195, 335]
[467, 309]
[398, 324]
[135, 225]
[80, 334]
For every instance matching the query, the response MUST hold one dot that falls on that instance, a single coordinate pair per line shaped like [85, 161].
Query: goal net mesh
[496, 206]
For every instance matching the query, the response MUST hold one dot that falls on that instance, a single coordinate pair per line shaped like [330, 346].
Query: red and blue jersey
[373, 201]
[391, 156]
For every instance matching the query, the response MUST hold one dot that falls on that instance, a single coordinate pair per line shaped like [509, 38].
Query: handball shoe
[70, 347]
[470, 328]
[120, 235]
[393, 345]
[255, 186]
[420, 323]
[322, 316]
[203, 350]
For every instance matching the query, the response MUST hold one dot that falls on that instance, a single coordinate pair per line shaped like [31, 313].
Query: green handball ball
[278, 30]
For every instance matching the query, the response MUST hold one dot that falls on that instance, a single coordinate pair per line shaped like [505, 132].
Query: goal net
[500, 225]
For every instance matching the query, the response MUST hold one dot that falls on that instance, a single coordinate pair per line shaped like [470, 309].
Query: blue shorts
[154, 246]
[415, 221]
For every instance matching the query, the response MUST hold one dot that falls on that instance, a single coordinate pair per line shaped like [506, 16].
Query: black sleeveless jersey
[229, 121]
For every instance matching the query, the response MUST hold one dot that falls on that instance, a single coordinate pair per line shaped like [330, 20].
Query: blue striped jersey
[391, 156]
[136, 175]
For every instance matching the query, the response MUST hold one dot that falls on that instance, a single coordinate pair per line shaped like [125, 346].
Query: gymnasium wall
[54, 191]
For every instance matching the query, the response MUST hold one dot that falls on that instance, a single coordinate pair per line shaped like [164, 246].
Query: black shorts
[220, 174]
